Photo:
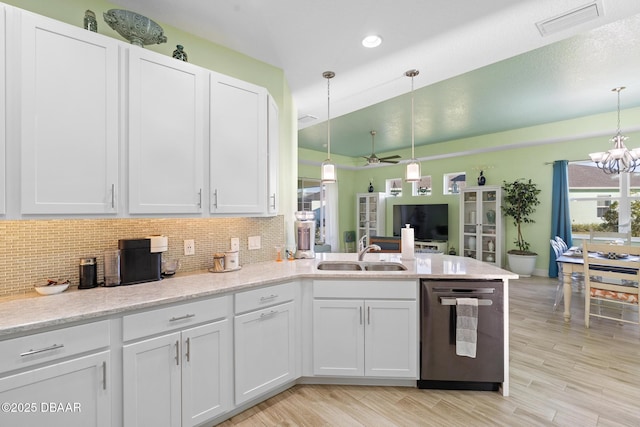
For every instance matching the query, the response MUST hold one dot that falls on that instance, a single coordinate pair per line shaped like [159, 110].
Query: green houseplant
[520, 198]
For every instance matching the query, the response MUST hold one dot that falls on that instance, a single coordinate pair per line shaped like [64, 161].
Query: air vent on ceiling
[307, 118]
[571, 18]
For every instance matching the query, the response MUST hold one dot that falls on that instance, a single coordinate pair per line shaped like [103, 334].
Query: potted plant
[520, 199]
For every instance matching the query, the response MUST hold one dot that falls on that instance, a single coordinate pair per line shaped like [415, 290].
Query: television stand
[432, 245]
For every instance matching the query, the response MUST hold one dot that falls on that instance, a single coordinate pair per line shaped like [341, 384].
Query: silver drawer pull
[42, 350]
[272, 296]
[186, 316]
[452, 301]
[271, 313]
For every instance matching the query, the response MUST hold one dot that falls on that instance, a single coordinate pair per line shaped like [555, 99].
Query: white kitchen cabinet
[3, 97]
[481, 224]
[181, 378]
[273, 153]
[69, 118]
[359, 331]
[166, 133]
[370, 215]
[238, 146]
[265, 341]
[57, 378]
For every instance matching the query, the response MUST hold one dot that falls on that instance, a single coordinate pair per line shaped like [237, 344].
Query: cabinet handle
[177, 352]
[269, 314]
[186, 316]
[368, 315]
[200, 198]
[215, 198]
[274, 200]
[270, 297]
[104, 375]
[41, 350]
[188, 354]
[360, 315]
[113, 196]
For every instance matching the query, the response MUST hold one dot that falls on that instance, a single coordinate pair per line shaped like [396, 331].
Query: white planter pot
[522, 265]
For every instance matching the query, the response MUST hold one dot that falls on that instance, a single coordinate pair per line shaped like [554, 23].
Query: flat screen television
[430, 222]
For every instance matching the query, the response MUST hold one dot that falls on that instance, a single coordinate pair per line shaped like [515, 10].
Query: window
[603, 204]
[422, 188]
[311, 197]
[454, 182]
[394, 187]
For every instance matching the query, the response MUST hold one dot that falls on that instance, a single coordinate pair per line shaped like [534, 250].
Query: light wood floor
[561, 374]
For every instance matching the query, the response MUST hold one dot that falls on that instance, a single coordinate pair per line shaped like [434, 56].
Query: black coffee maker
[88, 273]
[140, 260]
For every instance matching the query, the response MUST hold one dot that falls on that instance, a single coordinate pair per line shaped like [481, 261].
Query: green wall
[520, 153]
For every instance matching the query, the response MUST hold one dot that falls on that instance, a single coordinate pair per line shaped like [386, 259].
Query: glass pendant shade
[413, 171]
[328, 172]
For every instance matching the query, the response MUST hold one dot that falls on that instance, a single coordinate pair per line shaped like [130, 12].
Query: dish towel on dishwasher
[466, 326]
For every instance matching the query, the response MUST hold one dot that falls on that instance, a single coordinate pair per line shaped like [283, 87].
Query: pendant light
[328, 171]
[619, 158]
[413, 167]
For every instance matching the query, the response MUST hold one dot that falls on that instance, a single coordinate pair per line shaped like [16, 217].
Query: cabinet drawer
[264, 297]
[29, 350]
[152, 322]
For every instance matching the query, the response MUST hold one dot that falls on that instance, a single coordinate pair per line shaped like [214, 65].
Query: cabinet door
[66, 394]
[238, 146]
[391, 339]
[264, 350]
[206, 372]
[166, 134]
[482, 233]
[274, 149]
[3, 97]
[151, 382]
[338, 337]
[69, 127]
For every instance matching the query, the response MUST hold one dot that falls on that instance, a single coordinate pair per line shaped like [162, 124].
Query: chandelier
[618, 159]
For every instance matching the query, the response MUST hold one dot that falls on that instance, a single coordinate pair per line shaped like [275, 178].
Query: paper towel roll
[408, 243]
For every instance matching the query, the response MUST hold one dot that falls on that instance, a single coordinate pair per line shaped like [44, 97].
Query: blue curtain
[560, 218]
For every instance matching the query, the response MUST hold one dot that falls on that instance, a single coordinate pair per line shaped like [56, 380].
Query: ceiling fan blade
[384, 160]
[390, 157]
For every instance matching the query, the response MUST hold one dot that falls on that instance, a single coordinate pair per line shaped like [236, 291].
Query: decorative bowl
[51, 289]
[137, 29]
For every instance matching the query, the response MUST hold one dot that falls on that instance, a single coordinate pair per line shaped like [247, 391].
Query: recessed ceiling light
[372, 41]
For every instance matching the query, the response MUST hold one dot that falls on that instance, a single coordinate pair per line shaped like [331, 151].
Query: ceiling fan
[373, 159]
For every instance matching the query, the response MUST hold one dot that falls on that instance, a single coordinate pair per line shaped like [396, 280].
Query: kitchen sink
[384, 266]
[360, 266]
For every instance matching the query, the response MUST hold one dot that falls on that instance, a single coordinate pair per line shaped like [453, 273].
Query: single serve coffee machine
[305, 234]
[141, 259]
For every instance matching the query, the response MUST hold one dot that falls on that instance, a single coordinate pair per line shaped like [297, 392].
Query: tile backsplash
[33, 250]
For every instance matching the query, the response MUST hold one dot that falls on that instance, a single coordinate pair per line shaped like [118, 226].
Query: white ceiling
[446, 40]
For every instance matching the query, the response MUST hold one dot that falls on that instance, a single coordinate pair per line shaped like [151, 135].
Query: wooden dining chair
[611, 274]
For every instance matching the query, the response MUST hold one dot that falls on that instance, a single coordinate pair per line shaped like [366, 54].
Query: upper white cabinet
[166, 133]
[3, 98]
[273, 147]
[238, 146]
[69, 118]
[370, 209]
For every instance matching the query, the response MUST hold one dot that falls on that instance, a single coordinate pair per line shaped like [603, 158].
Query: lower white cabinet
[57, 378]
[181, 378]
[359, 337]
[264, 343]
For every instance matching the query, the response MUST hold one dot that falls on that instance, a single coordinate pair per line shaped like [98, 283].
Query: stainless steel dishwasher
[440, 367]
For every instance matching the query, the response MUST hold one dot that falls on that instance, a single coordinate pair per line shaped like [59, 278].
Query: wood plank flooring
[561, 374]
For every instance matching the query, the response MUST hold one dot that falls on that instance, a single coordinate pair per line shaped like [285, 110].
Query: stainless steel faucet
[363, 250]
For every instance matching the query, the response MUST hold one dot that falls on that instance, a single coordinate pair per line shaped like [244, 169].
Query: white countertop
[29, 312]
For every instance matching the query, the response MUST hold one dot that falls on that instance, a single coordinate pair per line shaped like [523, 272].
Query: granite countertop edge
[28, 313]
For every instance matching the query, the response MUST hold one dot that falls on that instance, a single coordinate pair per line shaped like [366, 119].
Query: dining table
[572, 262]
